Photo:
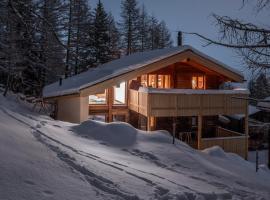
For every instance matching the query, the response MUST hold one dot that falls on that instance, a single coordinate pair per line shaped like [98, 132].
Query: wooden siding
[170, 104]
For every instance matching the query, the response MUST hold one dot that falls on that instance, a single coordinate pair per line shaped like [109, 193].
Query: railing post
[174, 129]
[199, 131]
[246, 131]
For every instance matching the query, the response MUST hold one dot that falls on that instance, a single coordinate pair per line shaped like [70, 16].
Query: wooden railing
[166, 104]
[222, 132]
[229, 141]
[229, 144]
[138, 102]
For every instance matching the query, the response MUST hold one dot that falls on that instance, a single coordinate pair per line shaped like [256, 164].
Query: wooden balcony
[152, 102]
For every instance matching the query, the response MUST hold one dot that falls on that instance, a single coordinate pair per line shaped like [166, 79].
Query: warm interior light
[98, 98]
[120, 93]
[198, 82]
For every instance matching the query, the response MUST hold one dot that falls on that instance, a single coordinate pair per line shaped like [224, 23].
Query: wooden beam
[148, 123]
[110, 104]
[199, 137]
[174, 129]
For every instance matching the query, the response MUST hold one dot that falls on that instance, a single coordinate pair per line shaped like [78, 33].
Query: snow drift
[46, 159]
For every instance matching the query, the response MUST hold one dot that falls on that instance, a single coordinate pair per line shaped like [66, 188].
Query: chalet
[177, 89]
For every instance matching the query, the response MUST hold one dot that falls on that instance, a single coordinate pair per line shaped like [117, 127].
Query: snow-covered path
[47, 159]
[29, 170]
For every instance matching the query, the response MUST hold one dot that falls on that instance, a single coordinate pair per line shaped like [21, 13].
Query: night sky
[195, 16]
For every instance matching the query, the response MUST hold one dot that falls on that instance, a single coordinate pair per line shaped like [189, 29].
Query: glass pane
[144, 80]
[120, 93]
[194, 82]
[200, 82]
[167, 81]
[160, 81]
[152, 81]
[98, 98]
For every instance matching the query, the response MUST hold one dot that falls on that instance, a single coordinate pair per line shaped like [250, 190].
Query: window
[98, 99]
[198, 82]
[163, 81]
[152, 81]
[119, 92]
[144, 80]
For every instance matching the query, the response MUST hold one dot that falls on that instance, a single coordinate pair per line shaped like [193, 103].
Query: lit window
[144, 80]
[161, 81]
[119, 92]
[152, 81]
[98, 98]
[198, 82]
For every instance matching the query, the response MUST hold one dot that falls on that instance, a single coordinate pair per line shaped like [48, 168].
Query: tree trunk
[68, 40]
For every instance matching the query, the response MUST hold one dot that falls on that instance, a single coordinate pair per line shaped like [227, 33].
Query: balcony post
[148, 123]
[151, 123]
[246, 131]
[199, 138]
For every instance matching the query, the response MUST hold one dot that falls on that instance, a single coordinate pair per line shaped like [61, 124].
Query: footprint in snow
[28, 182]
[38, 126]
[47, 192]
[104, 143]
[55, 125]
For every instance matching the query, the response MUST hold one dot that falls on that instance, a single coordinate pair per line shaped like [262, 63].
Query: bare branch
[237, 46]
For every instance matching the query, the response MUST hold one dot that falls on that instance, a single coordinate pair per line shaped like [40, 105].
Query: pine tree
[101, 49]
[144, 29]
[81, 24]
[129, 26]
[21, 46]
[114, 38]
[260, 87]
[153, 33]
[52, 51]
[164, 36]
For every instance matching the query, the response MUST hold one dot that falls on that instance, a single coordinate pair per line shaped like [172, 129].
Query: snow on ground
[46, 159]
[262, 154]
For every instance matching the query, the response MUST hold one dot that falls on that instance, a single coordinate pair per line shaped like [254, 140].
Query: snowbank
[115, 134]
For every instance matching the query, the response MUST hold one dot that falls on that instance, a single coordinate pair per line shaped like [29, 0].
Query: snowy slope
[46, 159]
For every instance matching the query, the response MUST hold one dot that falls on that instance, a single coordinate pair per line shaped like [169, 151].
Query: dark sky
[195, 16]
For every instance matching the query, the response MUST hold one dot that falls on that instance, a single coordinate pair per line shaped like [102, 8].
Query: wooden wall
[181, 76]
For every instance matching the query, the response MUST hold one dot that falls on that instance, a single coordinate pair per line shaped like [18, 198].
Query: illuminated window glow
[119, 92]
[98, 99]
[198, 82]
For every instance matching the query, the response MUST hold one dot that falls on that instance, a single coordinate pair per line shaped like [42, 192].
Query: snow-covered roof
[265, 105]
[73, 85]
[251, 110]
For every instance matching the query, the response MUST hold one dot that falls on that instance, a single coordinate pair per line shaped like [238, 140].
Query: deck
[182, 102]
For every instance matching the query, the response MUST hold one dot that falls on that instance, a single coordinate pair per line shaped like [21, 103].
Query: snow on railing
[191, 91]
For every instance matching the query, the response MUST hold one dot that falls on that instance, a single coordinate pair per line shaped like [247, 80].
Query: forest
[42, 41]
